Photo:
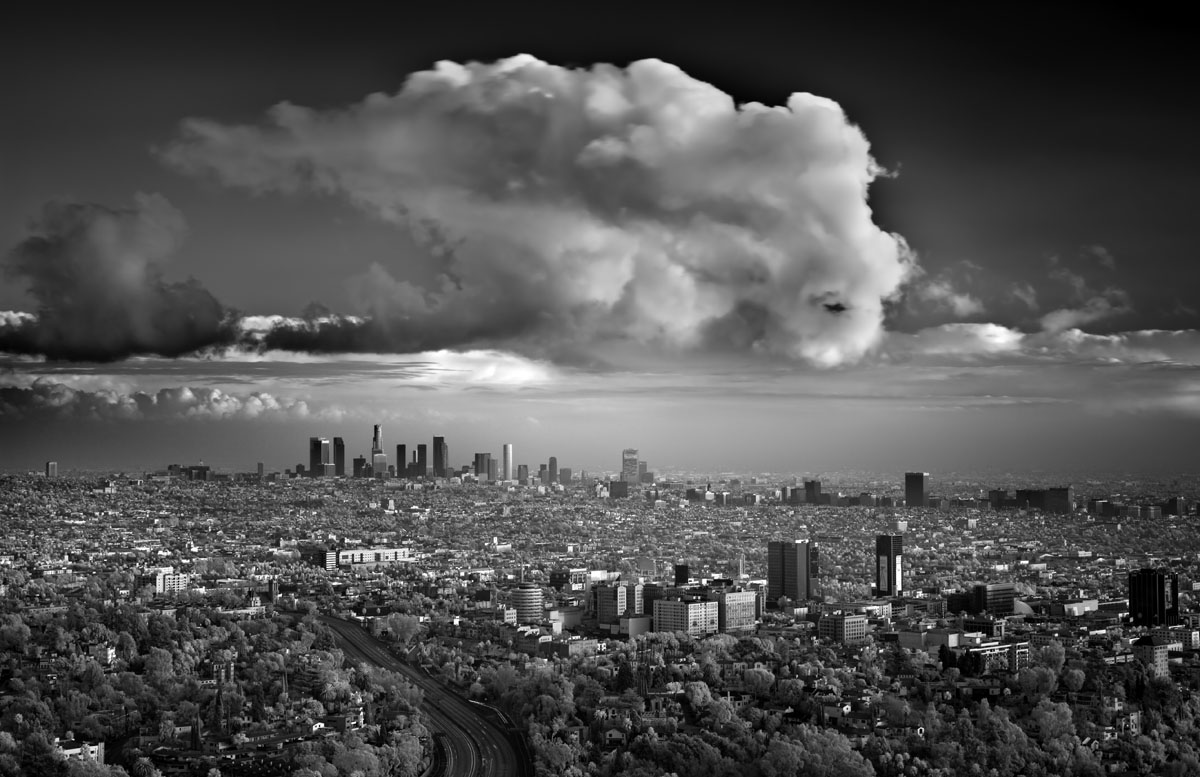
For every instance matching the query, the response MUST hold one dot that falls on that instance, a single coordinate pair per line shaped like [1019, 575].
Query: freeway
[473, 744]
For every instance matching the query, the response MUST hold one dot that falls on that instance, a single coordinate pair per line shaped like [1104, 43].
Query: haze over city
[920, 242]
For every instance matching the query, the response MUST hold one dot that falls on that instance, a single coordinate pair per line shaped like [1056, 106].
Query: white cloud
[570, 206]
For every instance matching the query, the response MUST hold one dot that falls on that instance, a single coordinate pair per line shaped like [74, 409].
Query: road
[474, 745]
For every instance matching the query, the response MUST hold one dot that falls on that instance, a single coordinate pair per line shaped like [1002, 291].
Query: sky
[879, 238]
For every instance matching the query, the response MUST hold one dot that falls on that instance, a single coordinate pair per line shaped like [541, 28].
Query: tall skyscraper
[483, 463]
[508, 461]
[812, 492]
[629, 465]
[377, 439]
[523, 473]
[914, 489]
[379, 465]
[402, 461]
[422, 460]
[441, 452]
[319, 454]
[553, 469]
[1154, 598]
[791, 570]
[339, 457]
[889, 568]
[51, 469]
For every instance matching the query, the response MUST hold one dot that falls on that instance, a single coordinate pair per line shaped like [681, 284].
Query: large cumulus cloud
[95, 273]
[573, 206]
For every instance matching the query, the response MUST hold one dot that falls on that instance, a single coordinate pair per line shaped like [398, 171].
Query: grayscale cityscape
[622, 391]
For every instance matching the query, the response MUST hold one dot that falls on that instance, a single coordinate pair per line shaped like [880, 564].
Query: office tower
[483, 465]
[791, 570]
[1154, 598]
[441, 452]
[629, 465]
[51, 469]
[319, 454]
[682, 575]
[508, 461]
[564, 475]
[1060, 500]
[553, 469]
[402, 468]
[261, 470]
[528, 601]
[812, 492]
[493, 469]
[377, 440]
[914, 488]
[422, 460]
[360, 466]
[339, 457]
[642, 471]
[996, 599]
[544, 474]
[889, 569]
[523, 473]
[314, 455]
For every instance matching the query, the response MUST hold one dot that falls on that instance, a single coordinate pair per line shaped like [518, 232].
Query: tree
[403, 627]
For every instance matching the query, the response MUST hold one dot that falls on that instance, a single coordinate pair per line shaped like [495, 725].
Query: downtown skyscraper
[378, 457]
[629, 465]
[889, 565]
[791, 570]
[915, 484]
[507, 470]
[441, 453]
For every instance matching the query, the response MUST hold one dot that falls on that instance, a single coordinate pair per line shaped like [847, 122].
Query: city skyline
[920, 242]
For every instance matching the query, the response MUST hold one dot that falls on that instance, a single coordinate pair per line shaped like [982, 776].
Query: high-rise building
[564, 475]
[339, 457]
[996, 599]
[483, 464]
[493, 470]
[812, 492]
[51, 469]
[402, 469]
[1154, 598]
[377, 439]
[915, 484]
[319, 454]
[696, 617]
[791, 570]
[360, 466]
[643, 471]
[422, 460]
[889, 568]
[629, 465]
[553, 469]
[508, 461]
[682, 575]
[261, 469]
[441, 452]
[523, 473]
[528, 600]
[544, 474]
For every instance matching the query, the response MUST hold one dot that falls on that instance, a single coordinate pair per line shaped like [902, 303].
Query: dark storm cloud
[571, 206]
[95, 274]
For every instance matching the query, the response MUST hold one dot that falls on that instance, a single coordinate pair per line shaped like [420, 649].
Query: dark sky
[1040, 147]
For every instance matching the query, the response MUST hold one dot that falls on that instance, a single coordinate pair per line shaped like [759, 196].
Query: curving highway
[473, 744]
